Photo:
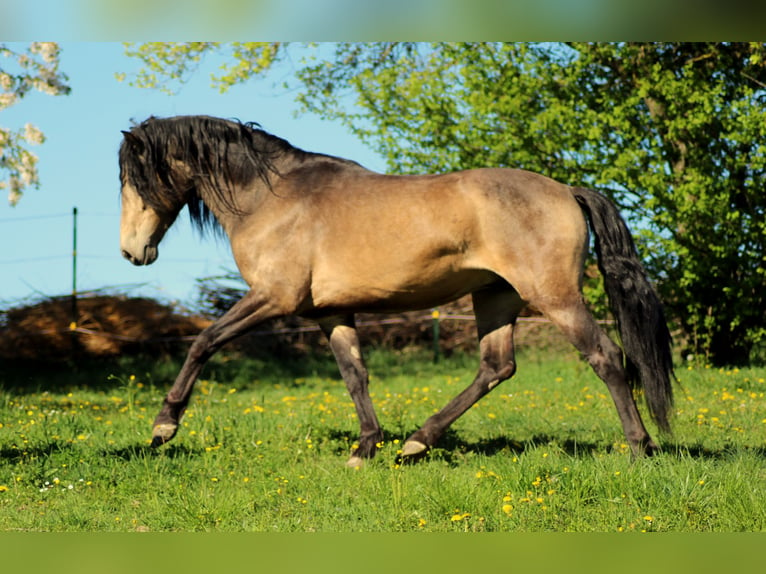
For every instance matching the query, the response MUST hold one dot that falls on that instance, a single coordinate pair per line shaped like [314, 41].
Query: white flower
[49, 86]
[33, 135]
[14, 192]
[6, 81]
[7, 100]
[48, 50]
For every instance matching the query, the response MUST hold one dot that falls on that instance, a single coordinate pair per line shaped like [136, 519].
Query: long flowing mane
[224, 156]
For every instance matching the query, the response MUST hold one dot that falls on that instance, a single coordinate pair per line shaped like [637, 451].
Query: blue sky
[78, 168]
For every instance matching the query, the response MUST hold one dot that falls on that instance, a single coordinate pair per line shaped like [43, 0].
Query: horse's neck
[245, 199]
[229, 207]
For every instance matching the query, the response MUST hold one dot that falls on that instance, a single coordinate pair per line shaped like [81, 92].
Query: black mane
[223, 156]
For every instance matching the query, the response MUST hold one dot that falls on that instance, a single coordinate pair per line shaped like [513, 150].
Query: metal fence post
[435, 326]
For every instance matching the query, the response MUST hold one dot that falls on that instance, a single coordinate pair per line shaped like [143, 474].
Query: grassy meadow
[263, 445]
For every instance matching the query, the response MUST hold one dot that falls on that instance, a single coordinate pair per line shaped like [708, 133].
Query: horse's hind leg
[496, 309]
[344, 343]
[605, 357]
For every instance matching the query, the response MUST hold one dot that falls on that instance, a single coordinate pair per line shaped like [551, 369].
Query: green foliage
[169, 64]
[265, 452]
[22, 71]
[673, 132]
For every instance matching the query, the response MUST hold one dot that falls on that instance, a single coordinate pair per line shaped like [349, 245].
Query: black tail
[640, 318]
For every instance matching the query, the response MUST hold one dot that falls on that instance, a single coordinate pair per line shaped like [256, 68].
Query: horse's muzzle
[149, 256]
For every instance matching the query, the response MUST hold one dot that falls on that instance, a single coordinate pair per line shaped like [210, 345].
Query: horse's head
[194, 161]
[141, 228]
[144, 219]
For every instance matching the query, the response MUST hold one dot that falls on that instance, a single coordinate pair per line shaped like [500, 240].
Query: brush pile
[109, 326]
[105, 326]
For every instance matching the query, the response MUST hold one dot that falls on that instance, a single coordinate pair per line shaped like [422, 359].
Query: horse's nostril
[127, 255]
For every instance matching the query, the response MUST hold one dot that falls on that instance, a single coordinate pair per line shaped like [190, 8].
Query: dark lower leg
[344, 343]
[166, 422]
[497, 365]
[496, 309]
[246, 313]
[611, 371]
[606, 359]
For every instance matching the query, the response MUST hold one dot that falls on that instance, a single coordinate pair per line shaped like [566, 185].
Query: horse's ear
[133, 141]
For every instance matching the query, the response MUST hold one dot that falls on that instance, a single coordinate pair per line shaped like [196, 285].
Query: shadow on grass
[698, 451]
[143, 451]
[452, 446]
[14, 454]
[452, 449]
[576, 449]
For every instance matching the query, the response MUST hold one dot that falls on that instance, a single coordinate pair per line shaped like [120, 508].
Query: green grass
[263, 446]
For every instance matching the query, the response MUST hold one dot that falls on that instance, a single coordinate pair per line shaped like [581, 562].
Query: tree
[22, 71]
[673, 132]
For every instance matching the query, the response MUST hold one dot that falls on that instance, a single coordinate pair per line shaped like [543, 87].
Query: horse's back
[489, 192]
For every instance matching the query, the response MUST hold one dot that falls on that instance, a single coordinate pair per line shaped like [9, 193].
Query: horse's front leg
[344, 343]
[243, 316]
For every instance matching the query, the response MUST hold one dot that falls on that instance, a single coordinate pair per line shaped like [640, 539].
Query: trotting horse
[324, 238]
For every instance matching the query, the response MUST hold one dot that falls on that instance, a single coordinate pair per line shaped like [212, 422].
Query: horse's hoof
[162, 433]
[652, 449]
[414, 449]
[355, 462]
[644, 448]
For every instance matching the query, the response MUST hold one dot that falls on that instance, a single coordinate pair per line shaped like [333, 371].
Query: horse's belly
[399, 292]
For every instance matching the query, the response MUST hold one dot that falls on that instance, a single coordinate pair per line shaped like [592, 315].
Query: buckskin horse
[324, 238]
